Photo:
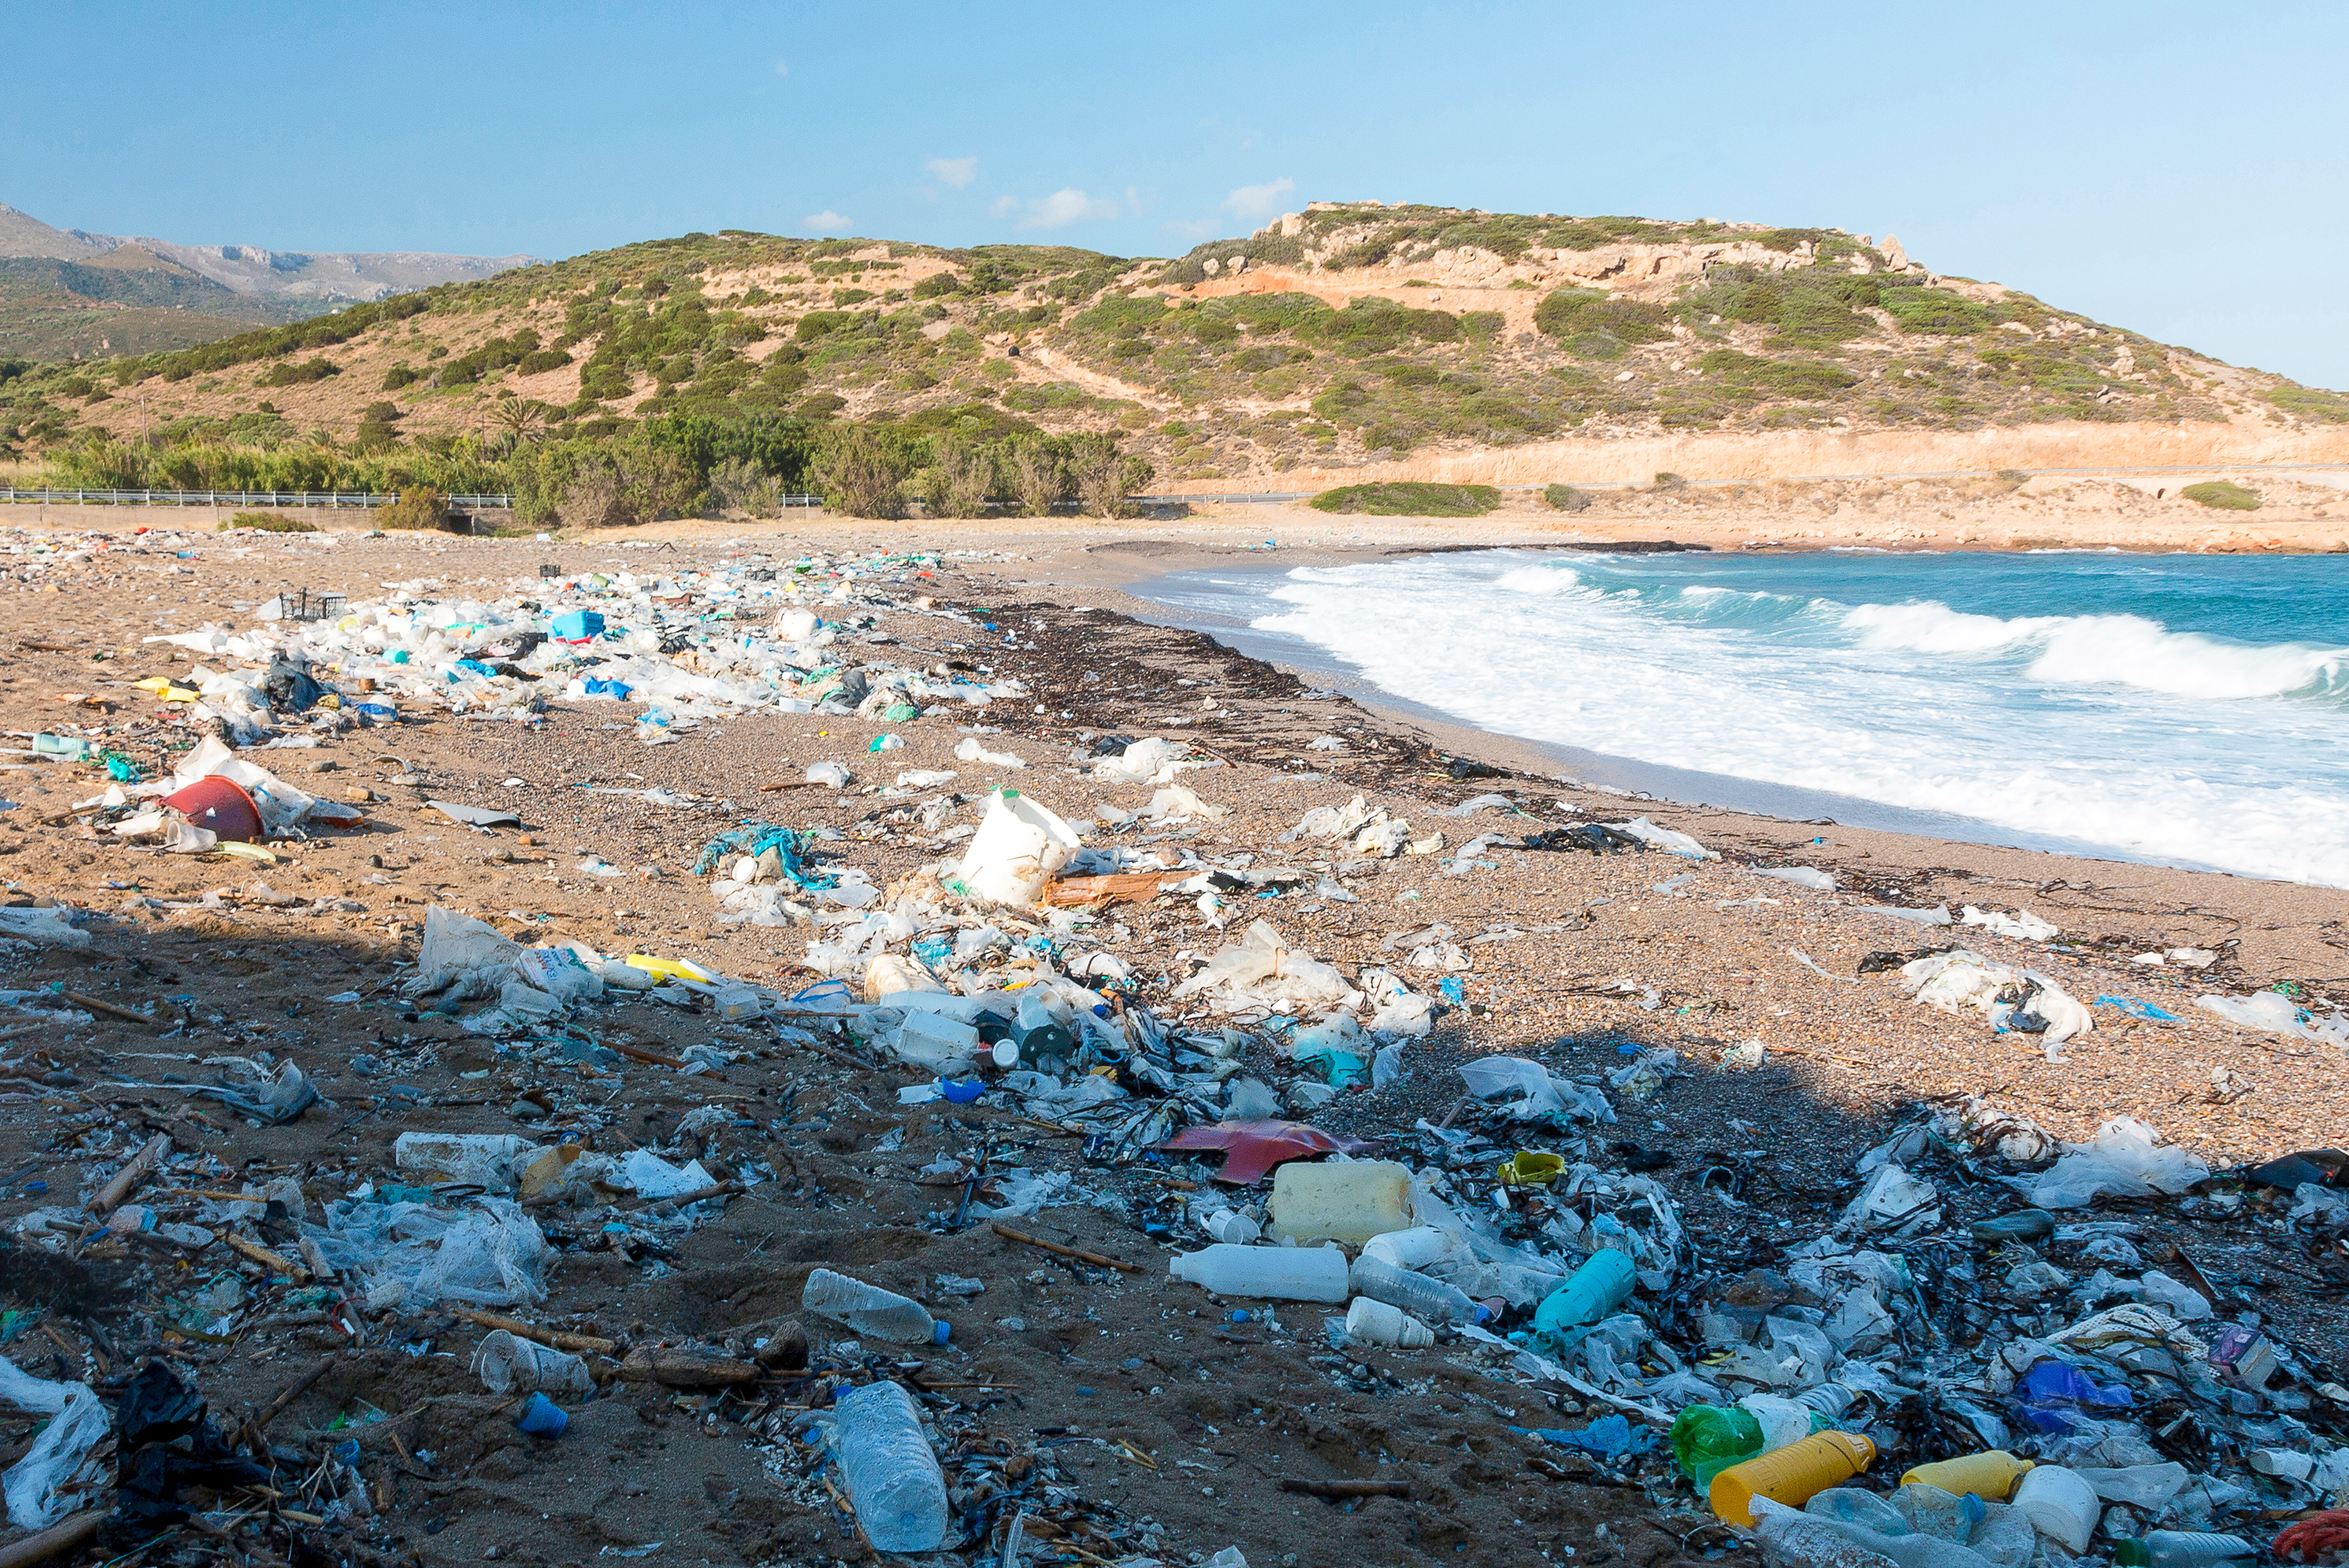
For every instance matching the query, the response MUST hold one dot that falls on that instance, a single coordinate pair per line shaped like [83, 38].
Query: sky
[2171, 169]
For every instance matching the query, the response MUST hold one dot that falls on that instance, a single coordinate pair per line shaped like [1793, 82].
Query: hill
[66, 294]
[1346, 338]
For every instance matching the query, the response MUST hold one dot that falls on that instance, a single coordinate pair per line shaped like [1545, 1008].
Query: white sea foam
[2107, 730]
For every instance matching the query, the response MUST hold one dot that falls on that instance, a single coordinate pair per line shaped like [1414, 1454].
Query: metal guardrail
[335, 499]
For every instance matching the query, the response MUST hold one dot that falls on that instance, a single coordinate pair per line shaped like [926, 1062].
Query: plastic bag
[42, 925]
[489, 1254]
[48, 1482]
[1151, 761]
[1540, 1094]
[2124, 1161]
[1260, 971]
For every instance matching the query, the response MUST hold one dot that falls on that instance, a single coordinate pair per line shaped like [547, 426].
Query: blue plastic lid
[941, 1331]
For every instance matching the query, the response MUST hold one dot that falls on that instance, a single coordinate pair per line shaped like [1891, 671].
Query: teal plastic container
[1602, 1284]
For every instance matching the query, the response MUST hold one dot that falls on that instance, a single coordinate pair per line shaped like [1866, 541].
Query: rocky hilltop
[1345, 340]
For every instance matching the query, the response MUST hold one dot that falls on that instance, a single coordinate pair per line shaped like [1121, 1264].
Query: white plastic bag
[42, 925]
[1541, 1094]
[2124, 1161]
[1261, 970]
[49, 1481]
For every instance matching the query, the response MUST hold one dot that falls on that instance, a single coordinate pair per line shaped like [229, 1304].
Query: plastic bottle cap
[940, 1331]
[1240, 1315]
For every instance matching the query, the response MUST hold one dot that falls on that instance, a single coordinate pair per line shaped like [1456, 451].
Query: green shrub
[398, 377]
[269, 522]
[540, 360]
[1802, 378]
[862, 472]
[1595, 326]
[816, 323]
[1409, 498]
[1565, 498]
[2311, 403]
[1037, 469]
[1937, 311]
[937, 286]
[288, 374]
[962, 476]
[1104, 476]
[419, 507]
[2224, 494]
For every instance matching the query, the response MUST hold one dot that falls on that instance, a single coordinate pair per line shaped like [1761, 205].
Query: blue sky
[2178, 170]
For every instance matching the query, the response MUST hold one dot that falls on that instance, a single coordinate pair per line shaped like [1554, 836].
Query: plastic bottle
[1932, 1510]
[2022, 1226]
[1350, 1202]
[1377, 1323]
[869, 1309]
[1412, 1248]
[893, 1478]
[1829, 1399]
[1853, 1506]
[2181, 1549]
[1422, 1296]
[1991, 1474]
[2139, 1486]
[1601, 1285]
[1276, 1274]
[73, 749]
[2061, 1505]
[1707, 1439]
[1792, 1475]
[492, 1160]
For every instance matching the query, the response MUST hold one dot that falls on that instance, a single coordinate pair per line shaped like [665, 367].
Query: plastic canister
[941, 1045]
[1349, 1202]
[1276, 1274]
[2061, 1505]
[1016, 849]
[1792, 1476]
[1601, 1285]
[1990, 1475]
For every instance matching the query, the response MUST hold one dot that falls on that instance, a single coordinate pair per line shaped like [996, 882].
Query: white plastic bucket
[1016, 849]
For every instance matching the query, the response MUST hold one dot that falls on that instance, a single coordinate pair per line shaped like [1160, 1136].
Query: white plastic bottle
[2061, 1505]
[1276, 1274]
[869, 1309]
[893, 1478]
[1423, 1295]
[1376, 1323]
[1412, 1248]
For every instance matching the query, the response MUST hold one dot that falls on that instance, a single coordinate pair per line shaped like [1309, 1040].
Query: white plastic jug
[1348, 1202]
[1412, 1248]
[1276, 1274]
[1016, 849]
[2061, 1505]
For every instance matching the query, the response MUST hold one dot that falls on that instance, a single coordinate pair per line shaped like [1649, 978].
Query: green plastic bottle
[1707, 1439]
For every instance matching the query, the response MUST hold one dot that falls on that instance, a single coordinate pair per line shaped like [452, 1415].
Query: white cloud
[1260, 200]
[1067, 206]
[827, 218]
[782, 67]
[1192, 228]
[955, 171]
[1003, 206]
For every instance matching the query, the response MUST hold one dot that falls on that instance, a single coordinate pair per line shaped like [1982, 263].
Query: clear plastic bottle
[1853, 1506]
[2182, 1549]
[1829, 1399]
[1783, 1421]
[868, 1309]
[1422, 1296]
[893, 1478]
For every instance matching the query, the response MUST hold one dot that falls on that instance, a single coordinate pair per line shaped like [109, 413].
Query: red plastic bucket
[221, 805]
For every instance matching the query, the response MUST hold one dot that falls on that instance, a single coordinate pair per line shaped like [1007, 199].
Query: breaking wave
[2193, 713]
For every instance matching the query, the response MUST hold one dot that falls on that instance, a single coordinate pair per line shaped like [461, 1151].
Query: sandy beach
[1572, 959]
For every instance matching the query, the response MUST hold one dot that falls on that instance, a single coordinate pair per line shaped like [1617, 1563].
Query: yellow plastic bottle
[1991, 1475]
[1792, 1475]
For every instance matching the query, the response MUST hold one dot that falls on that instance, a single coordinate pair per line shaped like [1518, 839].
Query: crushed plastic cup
[542, 1417]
